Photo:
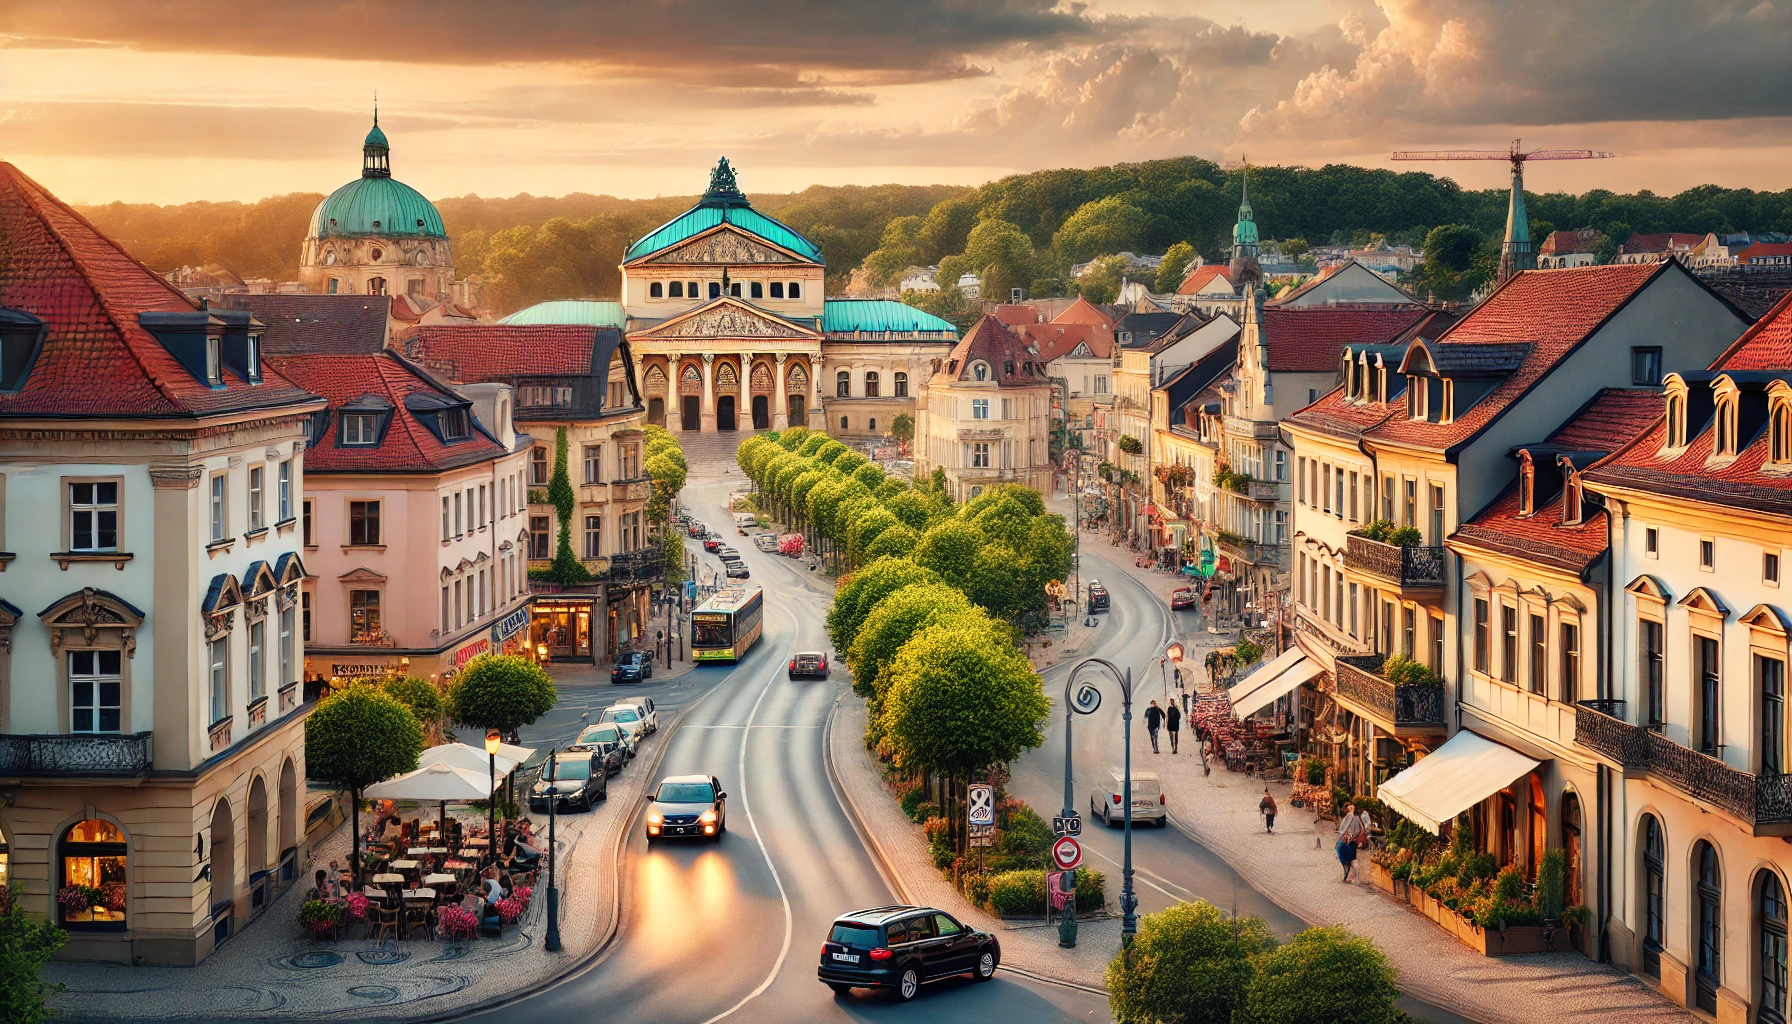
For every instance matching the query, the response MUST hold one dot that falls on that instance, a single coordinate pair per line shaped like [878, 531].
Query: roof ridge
[383, 368]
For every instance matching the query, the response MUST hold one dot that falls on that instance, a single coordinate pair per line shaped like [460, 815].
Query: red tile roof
[479, 352]
[1660, 242]
[1765, 249]
[1609, 421]
[1014, 314]
[1082, 311]
[97, 360]
[313, 324]
[1312, 339]
[1199, 278]
[407, 445]
[995, 344]
[1055, 339]
[1561, 243]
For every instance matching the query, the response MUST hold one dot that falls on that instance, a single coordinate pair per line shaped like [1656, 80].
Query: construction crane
[1517, 253]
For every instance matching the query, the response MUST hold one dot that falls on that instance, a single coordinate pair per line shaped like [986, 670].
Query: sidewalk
[1027, 947]
[270, 971]
[1296, 868]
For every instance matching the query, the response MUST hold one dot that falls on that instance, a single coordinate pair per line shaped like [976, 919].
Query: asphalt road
[731, 930]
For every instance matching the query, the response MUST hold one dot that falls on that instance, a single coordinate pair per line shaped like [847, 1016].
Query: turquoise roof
[583, 312]
[844, 316]
[376, 137]
[702, 217]
[377, 206]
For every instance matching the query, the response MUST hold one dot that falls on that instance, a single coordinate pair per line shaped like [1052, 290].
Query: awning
[464, 755]
[1282, 684]
[1466, 770]
[434, 783]
[1264, 674]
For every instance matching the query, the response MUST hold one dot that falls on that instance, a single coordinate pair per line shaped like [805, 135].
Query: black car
[688, 805]
[574, 783]
[605, 740]
[632, 667]
[901, 948]
[1098, 596]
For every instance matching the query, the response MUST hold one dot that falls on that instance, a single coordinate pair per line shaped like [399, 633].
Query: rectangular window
[364, 523]
[1354, 480]
[1770, 679]
[447, 622]
[1281, 464]
[538, 537]
[220, 509]
[459, 524]
[1483, 642]
[1408, 631]
[594, 536]
[1508, 643]
[483, 521]
[628, 461]
[1325, 487]
[306, 526]
[538, 466]
[1281, 526]
[285, 490]
[364, 614]
[1387, 498]
[1569, 639]
[1539, 654]
[1710, 679]
[357, 428]
[93, 516]
[305, 615]
[1409, 504]
[1437, 644]
[1653, 655]
[257, 641]
[1300, 466]
[1645, 367]
[447, 520]
[256, 475]
[95, 689]
[594, 463]
[980, 455]
[1651, 542]
[1437, 514]
[458, 605]
[1770, 569]
[979, 408]
[1707, 554]
[219, 658]
[286, 623]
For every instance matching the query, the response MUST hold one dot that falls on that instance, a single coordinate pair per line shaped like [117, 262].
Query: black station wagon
[902, 948]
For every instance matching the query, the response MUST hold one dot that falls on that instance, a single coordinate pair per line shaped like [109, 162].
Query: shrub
[925, 810]
[1323, 976]
[1406, 536]
[1552, 876]
[976, 888]
[1190, 964]
[1091, 890]
[911, 800]
[1026, 837]
[1378, 530]
[1131, 445]
[1247, 652]
[1017, 894]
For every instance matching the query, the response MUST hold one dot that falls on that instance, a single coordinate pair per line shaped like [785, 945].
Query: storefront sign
[510, 625]
[346, 670]
[471, 651]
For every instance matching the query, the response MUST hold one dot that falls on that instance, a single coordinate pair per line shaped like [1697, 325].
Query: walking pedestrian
[1349, 831]
[1173, 722]
[1267, 808]
[1154, 718]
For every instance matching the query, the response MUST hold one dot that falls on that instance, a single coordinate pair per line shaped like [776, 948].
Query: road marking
[753, 727]
[783, 896]
[1145, 876]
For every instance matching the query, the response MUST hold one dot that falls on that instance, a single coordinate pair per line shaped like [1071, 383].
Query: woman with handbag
[1350, 832]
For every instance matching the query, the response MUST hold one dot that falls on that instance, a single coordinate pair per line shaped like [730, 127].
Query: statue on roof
[722, 184]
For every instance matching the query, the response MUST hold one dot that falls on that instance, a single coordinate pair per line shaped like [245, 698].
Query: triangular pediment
[1081, 352]
[724, 243]
[362, 574]
[726, 317]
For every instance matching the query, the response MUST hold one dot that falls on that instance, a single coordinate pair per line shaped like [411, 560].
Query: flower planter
[1380, 876]
[1488, 942]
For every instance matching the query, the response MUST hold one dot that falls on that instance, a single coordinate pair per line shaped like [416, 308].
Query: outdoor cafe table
[428, 851]
[440, 879]
[388, 877]
[404, 865]
[416, 895]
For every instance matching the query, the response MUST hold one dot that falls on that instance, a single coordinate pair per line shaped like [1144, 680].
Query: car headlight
[654, 817]
[708, 817]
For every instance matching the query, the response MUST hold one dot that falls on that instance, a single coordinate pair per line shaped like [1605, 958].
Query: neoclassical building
[985, 418]
[724, 309]
[377, 236]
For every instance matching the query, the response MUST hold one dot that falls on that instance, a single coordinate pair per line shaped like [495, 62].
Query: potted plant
[319, 918]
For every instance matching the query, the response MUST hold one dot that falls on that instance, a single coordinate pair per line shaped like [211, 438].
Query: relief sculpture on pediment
[723, 247]
[728, 322]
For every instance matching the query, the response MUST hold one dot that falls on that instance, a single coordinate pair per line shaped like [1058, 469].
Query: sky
[171, 101]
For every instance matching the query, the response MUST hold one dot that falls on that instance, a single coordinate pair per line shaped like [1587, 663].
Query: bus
[728, 624]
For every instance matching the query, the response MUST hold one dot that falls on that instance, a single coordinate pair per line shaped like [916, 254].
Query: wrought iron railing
[78, 754]
[1599, 725]
[1338, 643]
[1403, 704]
[1761, 800]
[1409, 565]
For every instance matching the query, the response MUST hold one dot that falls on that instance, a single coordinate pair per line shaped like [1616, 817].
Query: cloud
[129, 130]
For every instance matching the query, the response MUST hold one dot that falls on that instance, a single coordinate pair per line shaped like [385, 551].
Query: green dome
[376, 137]
[377, 206]
[1245, 233]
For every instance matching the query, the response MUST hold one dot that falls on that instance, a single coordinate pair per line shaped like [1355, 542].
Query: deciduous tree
[356, 737]
[501, 691]
[1323, 976]
[961, 698]
[1189, 964]
[860, 592]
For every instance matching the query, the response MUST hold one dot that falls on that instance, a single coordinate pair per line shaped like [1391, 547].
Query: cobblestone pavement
[1297, 869]
[1032, 948]
[270, 971]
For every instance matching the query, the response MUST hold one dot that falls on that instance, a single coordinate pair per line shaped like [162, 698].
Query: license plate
[851, 958]
[1143, 803]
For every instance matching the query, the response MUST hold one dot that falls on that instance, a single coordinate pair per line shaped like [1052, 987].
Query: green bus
[728, 624]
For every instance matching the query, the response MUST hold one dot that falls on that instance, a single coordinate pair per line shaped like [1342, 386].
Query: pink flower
[357, 906]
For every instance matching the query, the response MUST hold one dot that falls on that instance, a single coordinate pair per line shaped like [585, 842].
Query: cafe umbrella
[441, 783]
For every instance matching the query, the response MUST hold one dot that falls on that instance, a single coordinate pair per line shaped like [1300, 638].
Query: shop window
[364, 615]
[93, 864]
[1770, 918]
[1708, 909]
[1571, 848]
[1655, 906]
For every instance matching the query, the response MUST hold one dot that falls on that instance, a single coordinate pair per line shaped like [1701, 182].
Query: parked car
[736, 570]
[809, 665]
[766, 541]
[628, 717]
[688, 805]
[1147, 799]
[697, 529]
[1098, 596]
[650, 716]
[575, 782]
[744, 521]
[902, 948]
[1183, 597]
[608, 741]
[727, 553]
[632, 667]
[712, 543]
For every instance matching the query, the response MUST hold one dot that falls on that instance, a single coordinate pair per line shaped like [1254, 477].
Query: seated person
[317, 892]
[494, 890]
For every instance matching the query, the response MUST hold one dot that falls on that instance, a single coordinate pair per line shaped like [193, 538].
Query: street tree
[793, 439]
[912, 508]
[1190, 963]
[356, 737]
[896, 542]
[813, 443]
[1323, 976]
[860, 592]
[865, 529]
[949, 547]
[890, 624]
[902, 427]
[870, 474]
[960, 699]
[503, 692]
[426, 701]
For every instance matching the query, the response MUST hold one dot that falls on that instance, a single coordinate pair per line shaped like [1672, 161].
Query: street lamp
[492, 742]
[552, 771]
[1083, 702]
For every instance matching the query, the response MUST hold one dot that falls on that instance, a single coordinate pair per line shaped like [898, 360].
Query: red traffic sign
[1067, 853]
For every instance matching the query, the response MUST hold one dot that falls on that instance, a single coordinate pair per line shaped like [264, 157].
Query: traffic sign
[981, 835]
[1067, 853]
[1067, 826]
[980, 804]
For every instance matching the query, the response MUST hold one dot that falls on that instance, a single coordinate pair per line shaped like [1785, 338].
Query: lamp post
[492, 742]
[1083, 702]
[1129, 922]
[552, 770]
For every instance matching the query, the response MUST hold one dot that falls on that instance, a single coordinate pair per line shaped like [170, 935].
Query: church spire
[376, 155]
[1244, 270]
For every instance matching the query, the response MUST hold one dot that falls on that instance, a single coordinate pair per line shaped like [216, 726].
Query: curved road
[731, 930]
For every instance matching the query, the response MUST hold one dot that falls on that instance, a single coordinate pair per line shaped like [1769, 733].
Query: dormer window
[20, 336]
[214, 361]
[1724, 427]
[980, 370]
[1676, 423]
[1527, 485]
[1417, 397]
[254, 359]
[1572, 511]
[454, 424]
[359, 428]
[1779, 434]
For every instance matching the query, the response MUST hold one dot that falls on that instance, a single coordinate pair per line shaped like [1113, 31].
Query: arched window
[871, 384]
[980, 370]
[376, 286]
[1676, 423]
[796, 289]
[330, 258]
[690, 290]
[656, 291]
[93, 859]
[1708, 909]
[1655, 905]
[1770, 919]
[1571, 847]
[843, 385]
[901, 384]
[1780, 433]
[777, 289]
[757, 290]
[1724, 423]
[675, 289]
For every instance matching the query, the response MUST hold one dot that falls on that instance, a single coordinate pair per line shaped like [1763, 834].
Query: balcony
[1333, 640]
[1238, 426]
[1763, 802]
[1412, 566]
[631, 490]
[76, 755]
[1404, 709]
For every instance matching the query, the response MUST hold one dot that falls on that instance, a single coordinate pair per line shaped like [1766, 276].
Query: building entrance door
[690, 414]
[656, 411]
[725, 413]
[796, 410]
[762, 417]
[564, 629]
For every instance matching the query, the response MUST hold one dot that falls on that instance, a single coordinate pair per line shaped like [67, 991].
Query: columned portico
[780, 413]
[709, 393]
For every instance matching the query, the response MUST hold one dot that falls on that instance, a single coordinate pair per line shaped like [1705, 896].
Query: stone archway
[725, 415]
[223, 864]
[257, 839]
[287, 822]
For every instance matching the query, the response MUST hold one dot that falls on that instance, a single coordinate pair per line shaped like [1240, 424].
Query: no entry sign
[1067, 853]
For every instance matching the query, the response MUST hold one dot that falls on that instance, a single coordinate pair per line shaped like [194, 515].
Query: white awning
[1466, 770]
[1286, 683]
[473, 759]
[1241, 693]
[433, 783]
